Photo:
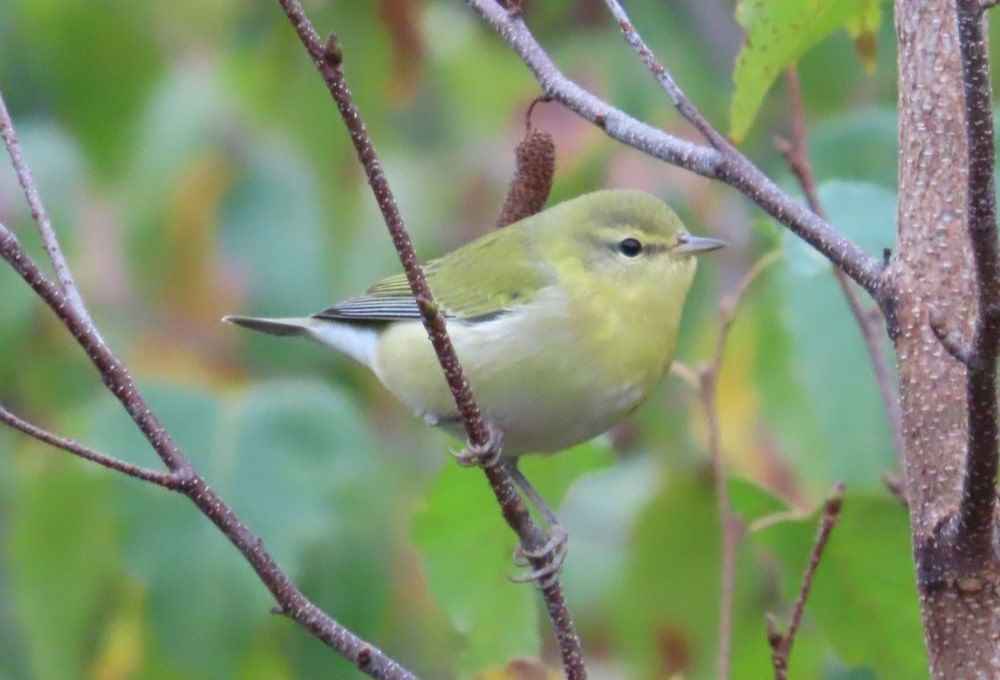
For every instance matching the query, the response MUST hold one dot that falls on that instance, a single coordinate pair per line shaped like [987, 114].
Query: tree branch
[730, 167]
[184, 479]
[976, 517]
[41, 217]
[164, 479]
[327, 57]
[781, 644]
[684, 105]
[796, 153]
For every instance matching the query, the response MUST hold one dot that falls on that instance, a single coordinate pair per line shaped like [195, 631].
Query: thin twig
[164, 479]
[40, 216]
[186, 480]
[706, 380]
[731, 167]
[781, 644]
[327, 57]
[976, 514]
[796, 153]
[684, 105]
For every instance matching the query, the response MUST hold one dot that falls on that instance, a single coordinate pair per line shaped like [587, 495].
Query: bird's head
[628, 243]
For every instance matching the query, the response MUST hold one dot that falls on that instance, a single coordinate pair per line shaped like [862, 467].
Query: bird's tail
[273, 326]
[356, 341]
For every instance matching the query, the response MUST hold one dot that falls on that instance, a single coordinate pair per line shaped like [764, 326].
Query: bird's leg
[486, 455]
[555, 547]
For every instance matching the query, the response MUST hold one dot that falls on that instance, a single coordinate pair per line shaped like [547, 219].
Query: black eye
[630, 247]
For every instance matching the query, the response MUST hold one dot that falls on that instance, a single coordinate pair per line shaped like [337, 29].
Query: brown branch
[796, 153]
[164, 479]
[781, 644]
[706, 380]
[185, 480]
[684, 106]
[41, 217]
[327, 57]
[976, 515]
[730, 166]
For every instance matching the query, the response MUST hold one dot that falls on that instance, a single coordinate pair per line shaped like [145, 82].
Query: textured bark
[933, 273]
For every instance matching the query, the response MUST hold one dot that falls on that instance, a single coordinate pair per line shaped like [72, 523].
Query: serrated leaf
[466, 548]
[778, 32]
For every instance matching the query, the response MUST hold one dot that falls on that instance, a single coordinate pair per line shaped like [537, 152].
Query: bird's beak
[695, 245]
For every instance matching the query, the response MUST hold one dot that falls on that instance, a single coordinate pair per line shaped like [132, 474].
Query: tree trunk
[932, 272]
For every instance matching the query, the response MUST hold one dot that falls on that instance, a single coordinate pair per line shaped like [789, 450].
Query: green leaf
[289, 458]
[63, 526]
[669, 606]
[866, 567]
[827, 353]
[778, 32]
[666, 616]
[862, 145]
[466, 548]
[750, 501]
[101, 111]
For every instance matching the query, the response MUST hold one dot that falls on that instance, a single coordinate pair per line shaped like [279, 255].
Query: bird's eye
[630, 247]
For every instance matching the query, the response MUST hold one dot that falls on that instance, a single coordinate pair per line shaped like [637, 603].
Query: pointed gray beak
[695, 245]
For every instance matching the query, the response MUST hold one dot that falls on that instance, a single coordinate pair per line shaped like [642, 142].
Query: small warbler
[564, 322]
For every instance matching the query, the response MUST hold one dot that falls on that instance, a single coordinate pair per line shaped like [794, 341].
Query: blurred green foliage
[194, 166]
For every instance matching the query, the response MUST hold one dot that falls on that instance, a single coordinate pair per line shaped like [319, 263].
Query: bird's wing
[477, 282]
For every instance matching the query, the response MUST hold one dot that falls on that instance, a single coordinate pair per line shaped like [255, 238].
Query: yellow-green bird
[564, 322]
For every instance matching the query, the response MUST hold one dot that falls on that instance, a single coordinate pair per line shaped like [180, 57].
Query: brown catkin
[532, 182]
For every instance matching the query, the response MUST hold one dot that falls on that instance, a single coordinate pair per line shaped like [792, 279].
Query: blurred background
[194, 166]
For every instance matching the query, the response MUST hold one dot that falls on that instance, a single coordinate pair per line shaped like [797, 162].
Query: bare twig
[328, 58]
[730, 166]
[164, 479]
[781, 644]
[183, 477]
[706, 380]
[796, 153]
[684, 105]
[41, 217]
[976, 515]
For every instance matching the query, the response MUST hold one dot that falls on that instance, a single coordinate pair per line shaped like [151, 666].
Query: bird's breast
[538, 372]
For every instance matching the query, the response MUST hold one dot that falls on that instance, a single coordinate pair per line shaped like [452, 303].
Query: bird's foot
[485, 455]
[552, 555]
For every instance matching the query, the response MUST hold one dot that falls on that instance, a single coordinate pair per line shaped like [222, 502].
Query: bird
[563, 322]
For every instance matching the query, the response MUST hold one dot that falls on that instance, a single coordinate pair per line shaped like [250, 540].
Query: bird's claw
[553, 554]
[485, 455]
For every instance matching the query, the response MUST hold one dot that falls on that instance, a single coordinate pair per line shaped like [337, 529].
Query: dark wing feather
[477, 282]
